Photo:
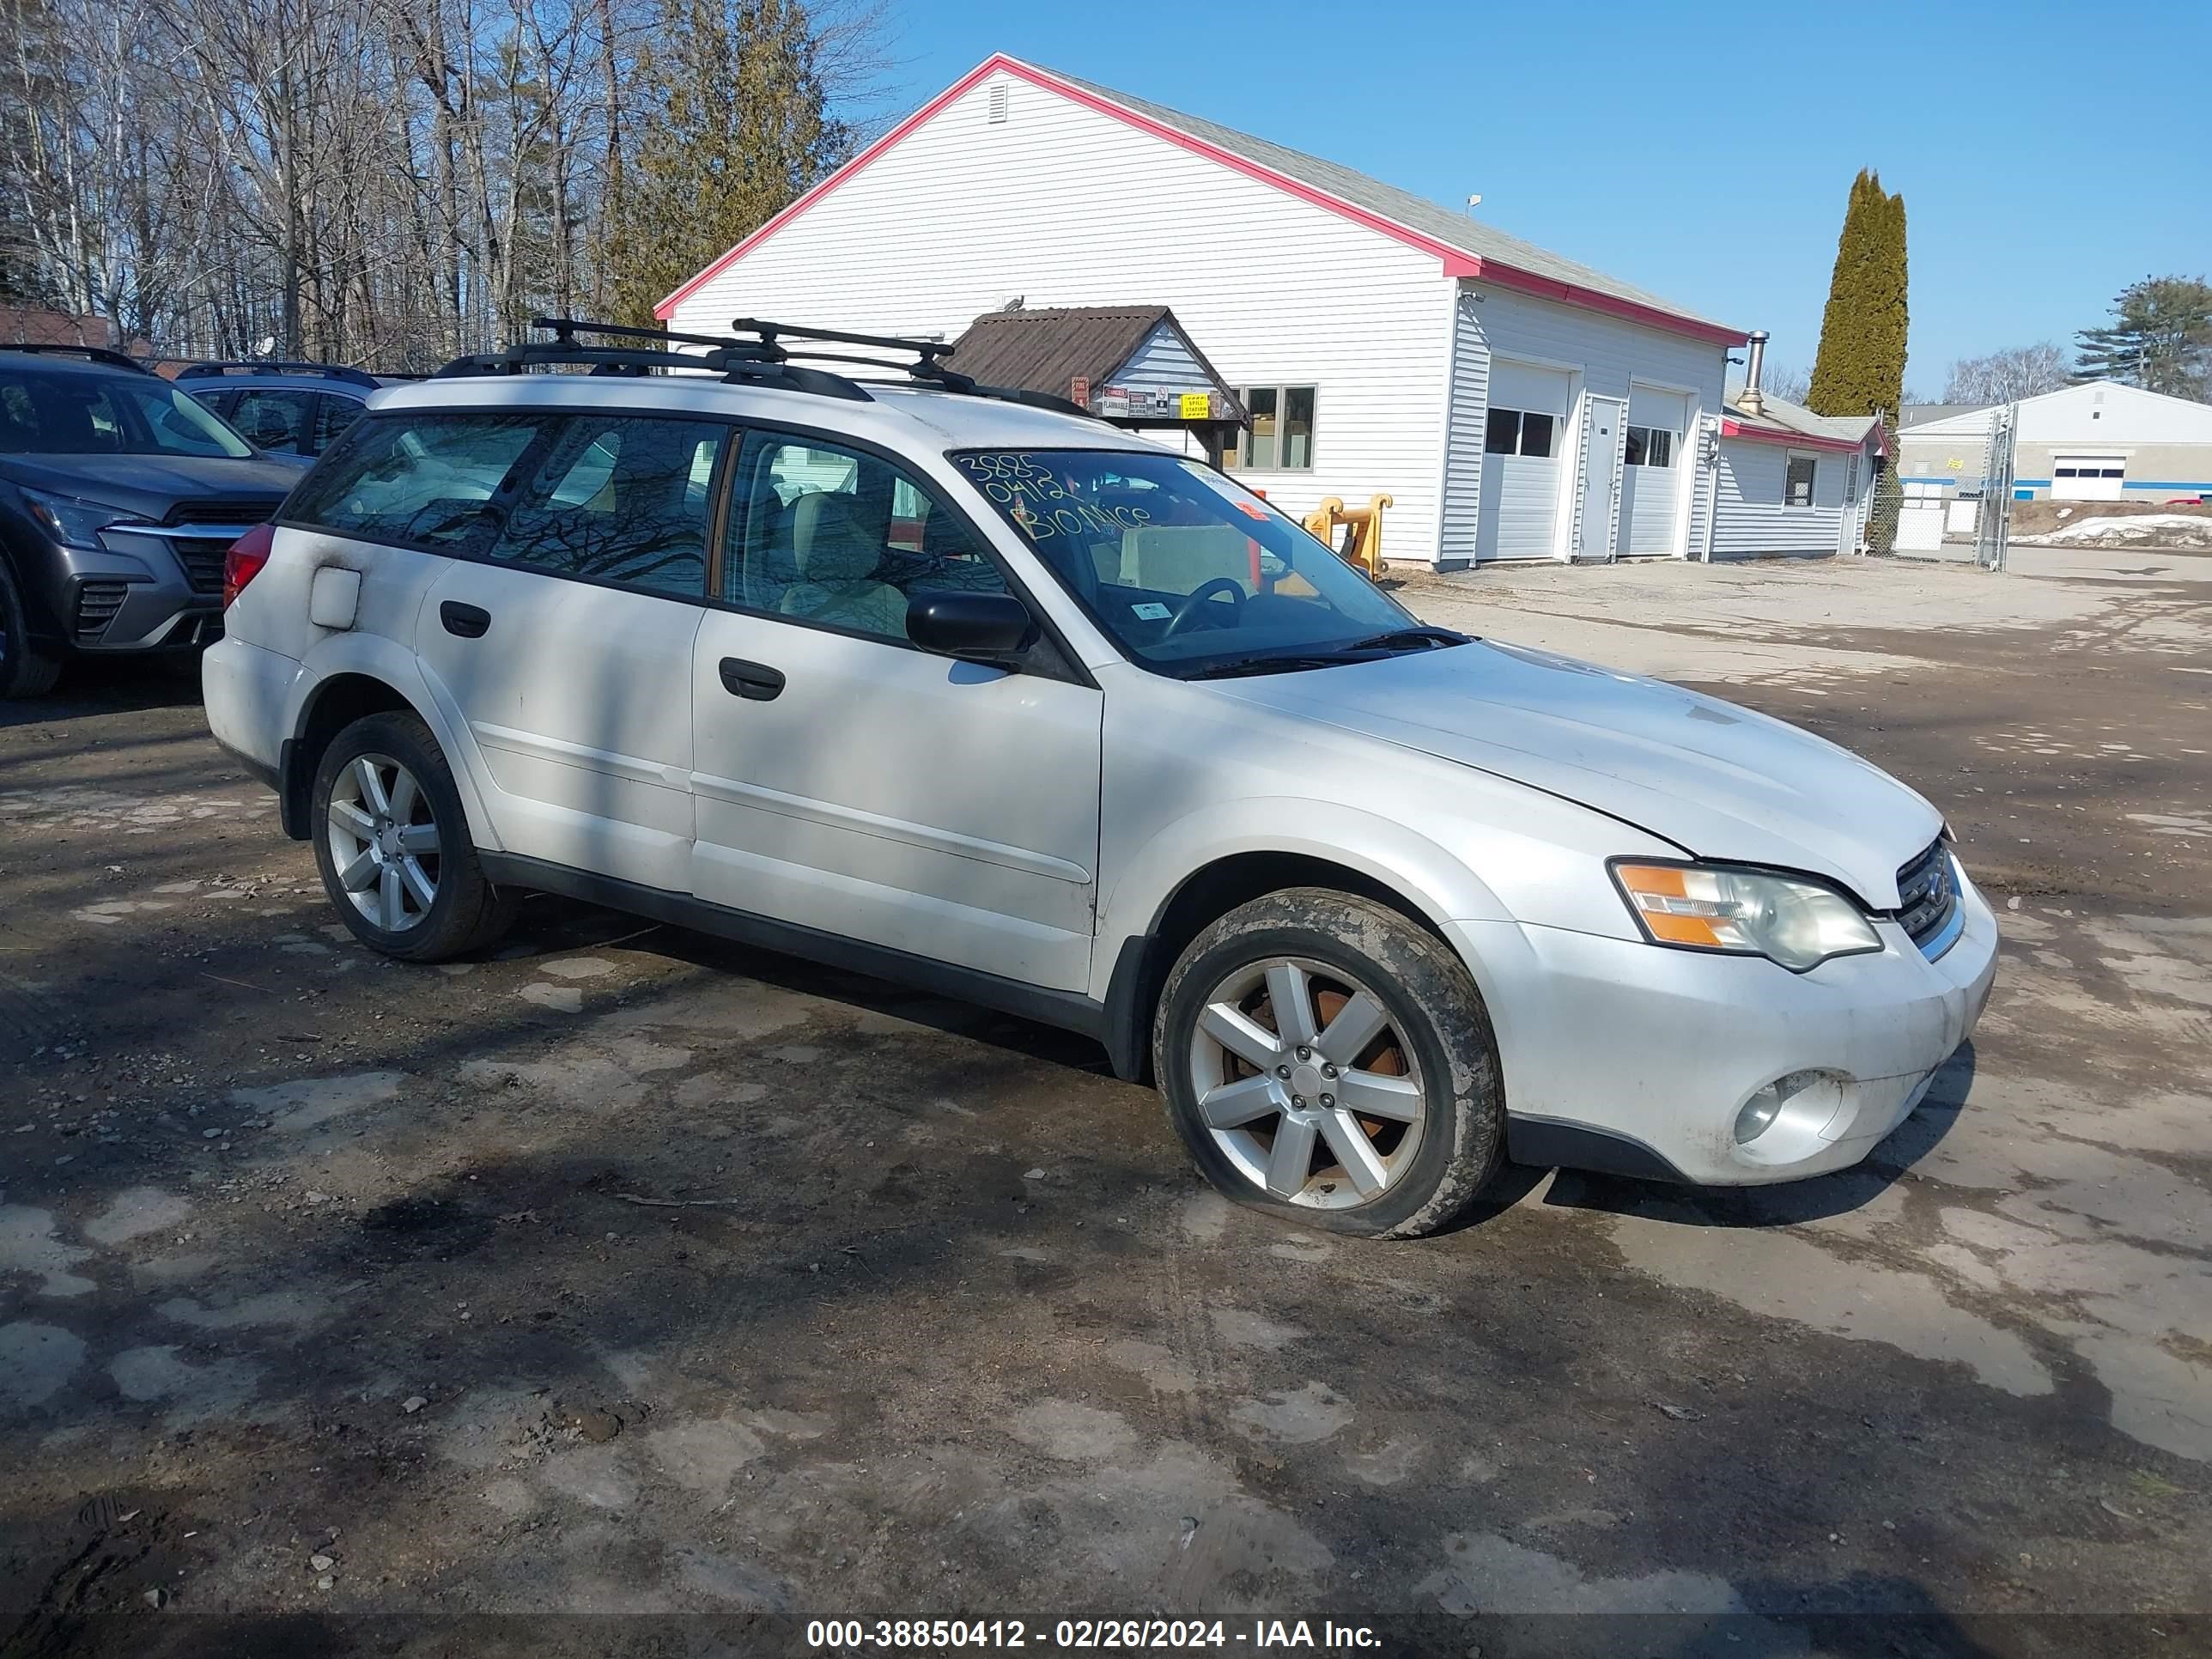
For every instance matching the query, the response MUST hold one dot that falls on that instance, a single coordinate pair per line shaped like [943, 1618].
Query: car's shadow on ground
[1815, 1199]
[120, 687]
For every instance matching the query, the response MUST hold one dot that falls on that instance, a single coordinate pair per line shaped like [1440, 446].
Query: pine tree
[733, 125]
[1860, 368]
[2160, 338]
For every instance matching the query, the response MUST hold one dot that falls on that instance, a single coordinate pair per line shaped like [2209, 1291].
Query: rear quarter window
[422, 480]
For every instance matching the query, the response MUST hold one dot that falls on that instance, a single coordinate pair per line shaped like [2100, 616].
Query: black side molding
[1549, 1144]
[1070, 1011]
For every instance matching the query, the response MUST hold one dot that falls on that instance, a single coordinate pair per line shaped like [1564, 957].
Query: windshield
[1186, 570]
[65, 412]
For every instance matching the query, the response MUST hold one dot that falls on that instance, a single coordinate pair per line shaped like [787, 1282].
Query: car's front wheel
[24, 671]
[393, 846]
[1327, 1059]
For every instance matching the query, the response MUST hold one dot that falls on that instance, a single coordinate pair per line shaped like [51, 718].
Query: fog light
[1759, 1113]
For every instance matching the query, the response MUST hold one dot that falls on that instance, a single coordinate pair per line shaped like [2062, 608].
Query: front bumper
[138, 593]
[1620, 1055]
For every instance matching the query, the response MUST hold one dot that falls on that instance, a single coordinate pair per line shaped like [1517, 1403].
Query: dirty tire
[24, 672]
[1433, 1004]
[468, 913]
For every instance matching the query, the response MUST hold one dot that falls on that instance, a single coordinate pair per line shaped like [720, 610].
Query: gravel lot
[628, 1291]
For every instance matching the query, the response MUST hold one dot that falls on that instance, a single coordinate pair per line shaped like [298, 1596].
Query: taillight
[244, 561]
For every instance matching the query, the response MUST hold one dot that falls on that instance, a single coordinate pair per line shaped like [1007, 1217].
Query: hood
[150, 485]
[1719, 781]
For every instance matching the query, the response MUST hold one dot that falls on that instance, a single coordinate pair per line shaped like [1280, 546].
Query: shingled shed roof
[1050, 349]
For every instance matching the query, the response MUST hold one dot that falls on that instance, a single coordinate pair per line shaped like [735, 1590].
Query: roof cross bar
[769, 333]
[735, 361]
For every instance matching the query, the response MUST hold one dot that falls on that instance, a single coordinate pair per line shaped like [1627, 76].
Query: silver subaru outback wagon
[965, 688]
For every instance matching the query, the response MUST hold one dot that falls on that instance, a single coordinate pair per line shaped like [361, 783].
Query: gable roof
[1043, 349]
[1465, 246]
[1781, 422]
[2182, 419]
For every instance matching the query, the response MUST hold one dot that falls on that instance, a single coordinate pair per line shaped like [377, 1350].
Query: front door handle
[470, 622]
[753, 680]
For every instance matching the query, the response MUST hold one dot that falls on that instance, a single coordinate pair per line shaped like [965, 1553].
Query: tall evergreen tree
[736, 125]
[2160, 338]
[1860, 368]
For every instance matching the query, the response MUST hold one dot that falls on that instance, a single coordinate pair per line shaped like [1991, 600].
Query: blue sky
[1704, 152]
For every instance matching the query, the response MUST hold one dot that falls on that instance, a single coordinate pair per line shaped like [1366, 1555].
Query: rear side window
[617, 498]
[333, 415]
[420, 479]
[276, 418]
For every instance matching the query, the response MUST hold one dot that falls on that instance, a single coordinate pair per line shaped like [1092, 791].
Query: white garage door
[1651, 478]
[2087, 477]
[1521, 462]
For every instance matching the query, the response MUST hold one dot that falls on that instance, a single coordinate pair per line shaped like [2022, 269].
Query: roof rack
[763, 358]
[97, 353]
[267, 366]
[927, 366]
[735, 361]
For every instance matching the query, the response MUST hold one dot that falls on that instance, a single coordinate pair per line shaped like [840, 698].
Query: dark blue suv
[119, 497]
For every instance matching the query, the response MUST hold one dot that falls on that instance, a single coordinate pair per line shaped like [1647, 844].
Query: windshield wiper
[1238, 666]
[1405, 639]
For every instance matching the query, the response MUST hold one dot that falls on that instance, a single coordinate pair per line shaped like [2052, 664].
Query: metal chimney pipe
[1752, 401]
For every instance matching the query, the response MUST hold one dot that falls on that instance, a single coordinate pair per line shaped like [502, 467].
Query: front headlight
[1787, 919]
[75, 523]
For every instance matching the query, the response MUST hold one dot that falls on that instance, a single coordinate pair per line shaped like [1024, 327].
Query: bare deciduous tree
[2005, 377]
[384, 182]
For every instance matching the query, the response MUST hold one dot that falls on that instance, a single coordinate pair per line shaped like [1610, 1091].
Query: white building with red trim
[1790, 483]
[1514, 404]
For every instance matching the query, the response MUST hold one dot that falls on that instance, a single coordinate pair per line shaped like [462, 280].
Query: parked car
[289, 409]
[936, 684]
[118, 497]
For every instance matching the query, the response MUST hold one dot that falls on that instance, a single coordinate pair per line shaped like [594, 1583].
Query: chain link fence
[1952, 496]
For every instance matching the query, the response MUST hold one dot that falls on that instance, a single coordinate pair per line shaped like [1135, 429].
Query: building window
[1281, 438]
[1517, 432]
[1797, 483]
[1651, 446]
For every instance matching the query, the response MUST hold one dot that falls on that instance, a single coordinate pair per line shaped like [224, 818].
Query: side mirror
[991, 628]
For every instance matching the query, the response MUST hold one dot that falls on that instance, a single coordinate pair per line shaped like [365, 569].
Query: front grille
[96, 606]
[242, 513]
[1928, 898]
[202, 564]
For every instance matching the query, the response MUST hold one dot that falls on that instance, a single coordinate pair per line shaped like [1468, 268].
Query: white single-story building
[1791, 482]
[2098, 442]
[1515, 405]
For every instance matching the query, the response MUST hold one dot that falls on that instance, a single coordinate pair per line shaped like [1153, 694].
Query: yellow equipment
[1362, 531]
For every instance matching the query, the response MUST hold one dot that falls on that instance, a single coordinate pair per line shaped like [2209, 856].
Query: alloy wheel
[1306, 1084]
[384, 843]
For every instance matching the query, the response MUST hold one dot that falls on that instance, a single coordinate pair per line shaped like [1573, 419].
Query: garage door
[2087, 477]
[1652, 479]
[1521, 464]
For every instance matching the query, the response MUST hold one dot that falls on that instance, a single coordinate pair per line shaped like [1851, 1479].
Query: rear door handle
[753, 680]
[470, 622]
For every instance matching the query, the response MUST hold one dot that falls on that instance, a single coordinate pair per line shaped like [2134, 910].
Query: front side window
[1797, 481]
[837, 537]
[616, 498]
[1185, 570]
[1649, 445]
[1282, 435]
[65, 412]
[421, 479]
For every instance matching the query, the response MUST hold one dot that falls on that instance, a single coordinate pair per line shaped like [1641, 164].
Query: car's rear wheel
[1328, 1060]
[24, 672]
[392, 843]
